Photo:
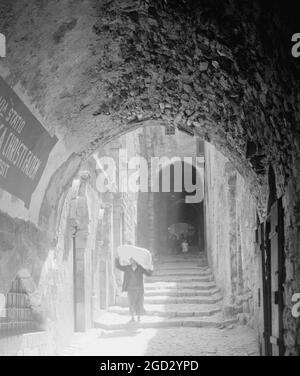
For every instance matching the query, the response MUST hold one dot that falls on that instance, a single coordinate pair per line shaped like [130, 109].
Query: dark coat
[128, 273]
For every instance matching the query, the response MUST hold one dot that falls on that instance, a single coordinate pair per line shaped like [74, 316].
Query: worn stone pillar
[117, 239]
[143, 220]
[232, 181]
[117, 225]
[151, 225]
[81, 295]
[109, 246]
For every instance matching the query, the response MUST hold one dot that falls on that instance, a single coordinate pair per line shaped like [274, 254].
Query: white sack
[141, 255]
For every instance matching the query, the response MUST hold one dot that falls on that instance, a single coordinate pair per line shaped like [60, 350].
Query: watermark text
[296, 46]
[296, 306]
[159, 174]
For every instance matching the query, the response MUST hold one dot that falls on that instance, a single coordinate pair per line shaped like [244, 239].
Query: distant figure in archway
[173, 244]
[184, 244]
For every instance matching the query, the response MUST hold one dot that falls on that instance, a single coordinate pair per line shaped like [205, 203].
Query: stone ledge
[28, 344]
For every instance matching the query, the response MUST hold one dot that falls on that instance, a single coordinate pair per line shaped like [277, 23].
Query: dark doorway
[273, 276]
[176, 220]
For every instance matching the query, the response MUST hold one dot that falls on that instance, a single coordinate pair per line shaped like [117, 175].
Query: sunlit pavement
[230, 341]
[184, 318]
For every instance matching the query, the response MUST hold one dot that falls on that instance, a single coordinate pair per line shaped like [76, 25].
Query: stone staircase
[181, 292]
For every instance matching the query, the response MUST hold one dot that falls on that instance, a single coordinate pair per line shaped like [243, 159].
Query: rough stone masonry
[91, 70]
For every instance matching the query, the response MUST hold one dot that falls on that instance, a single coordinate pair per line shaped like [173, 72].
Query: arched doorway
[219, 88]
[176, 218]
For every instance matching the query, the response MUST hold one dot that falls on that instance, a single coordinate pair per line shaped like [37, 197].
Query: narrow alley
[181, 292]
[149, 178]
[232, 341]
[183, 318]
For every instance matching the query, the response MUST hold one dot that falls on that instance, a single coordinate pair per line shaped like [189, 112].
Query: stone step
[181, 292]
[173, 310]
[173, 260]
[123, 300]
[184, 261]
[181, 257]
[171, 267]
[111, 321]
[181, 273]
[179, 279]
[200, 286]
[180, 265]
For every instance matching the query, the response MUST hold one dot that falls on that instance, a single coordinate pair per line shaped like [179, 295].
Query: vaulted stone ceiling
[95, 69]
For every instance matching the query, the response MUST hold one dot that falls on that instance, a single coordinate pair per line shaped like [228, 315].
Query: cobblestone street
[230, 341]
[149, 179]
[182, 319]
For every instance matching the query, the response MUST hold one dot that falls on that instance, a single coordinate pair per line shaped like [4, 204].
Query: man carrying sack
[133, 282]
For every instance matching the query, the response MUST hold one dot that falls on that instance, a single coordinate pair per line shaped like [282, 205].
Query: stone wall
[51, 268]
[230, 236]
[155, 143]
[292, 267]
[50, 261]
[30, 344]
[147, 62]
[93, 69]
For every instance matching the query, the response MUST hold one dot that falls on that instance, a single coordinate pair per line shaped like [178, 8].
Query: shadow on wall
[27, 255]
[22, 245]
[25, 252]
[22, 319]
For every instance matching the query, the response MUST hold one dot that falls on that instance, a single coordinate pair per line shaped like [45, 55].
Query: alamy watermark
[296, 306]
[296, 47]
[137, 174]
[2, 45]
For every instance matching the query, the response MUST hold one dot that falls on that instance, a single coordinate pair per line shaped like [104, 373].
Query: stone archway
[80, 216]
[121, 78]
[172, 205]
[192, 215]
[92, 70]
